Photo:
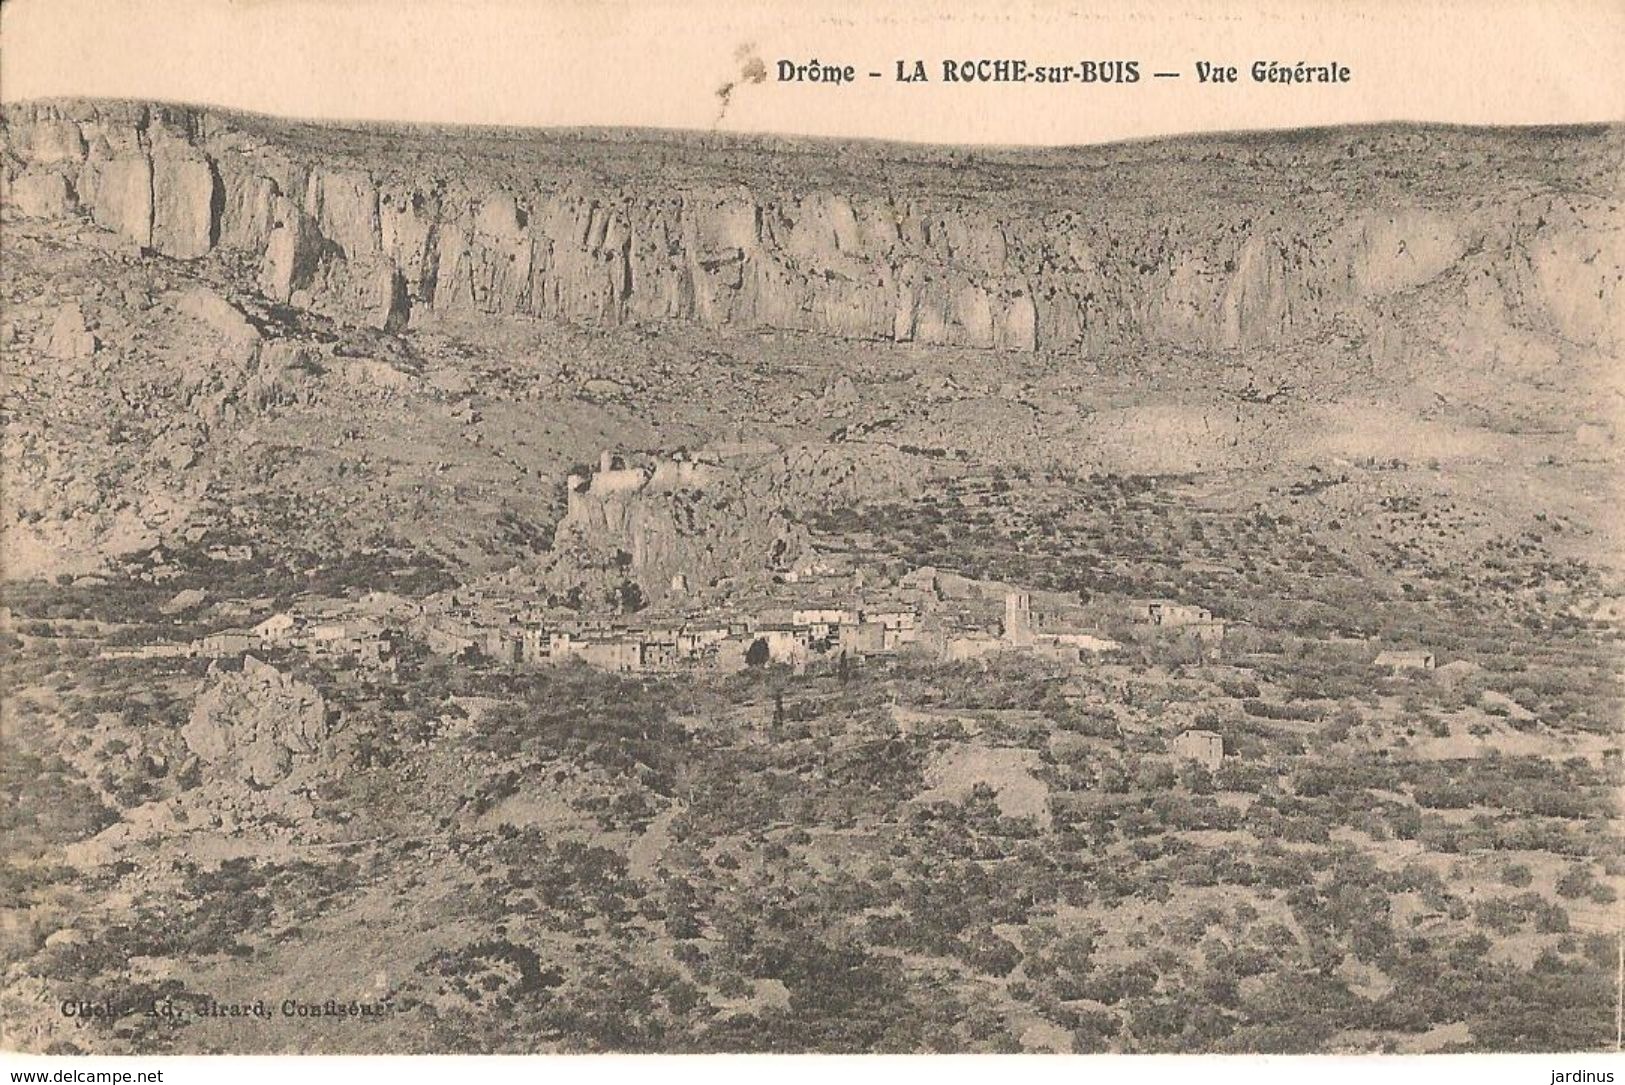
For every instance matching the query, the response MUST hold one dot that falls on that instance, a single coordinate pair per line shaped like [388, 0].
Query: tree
[629, 597]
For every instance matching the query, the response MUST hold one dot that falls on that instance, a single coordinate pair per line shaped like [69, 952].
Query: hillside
[1184, 305]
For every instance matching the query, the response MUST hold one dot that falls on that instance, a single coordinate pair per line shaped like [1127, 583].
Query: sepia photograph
[596, 528]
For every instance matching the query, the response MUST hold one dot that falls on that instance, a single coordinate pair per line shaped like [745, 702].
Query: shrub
[1517, 875]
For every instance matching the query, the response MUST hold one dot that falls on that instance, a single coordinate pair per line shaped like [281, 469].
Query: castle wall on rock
[1054, 270]
[669, 522]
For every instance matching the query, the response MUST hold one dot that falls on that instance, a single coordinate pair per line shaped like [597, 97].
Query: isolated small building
[1206, 748]
[1406, 661]
[1175, 615]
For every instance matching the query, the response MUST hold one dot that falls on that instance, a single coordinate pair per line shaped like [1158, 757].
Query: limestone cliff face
[1205, 252]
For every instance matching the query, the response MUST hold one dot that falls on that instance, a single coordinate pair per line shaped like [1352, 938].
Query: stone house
[1206, 748]
[1416, 660]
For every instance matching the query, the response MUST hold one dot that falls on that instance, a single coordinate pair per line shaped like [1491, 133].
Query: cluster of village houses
[367, 640]
[817, 613]
[814, 614]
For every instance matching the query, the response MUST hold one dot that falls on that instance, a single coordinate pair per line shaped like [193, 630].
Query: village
[820, 613]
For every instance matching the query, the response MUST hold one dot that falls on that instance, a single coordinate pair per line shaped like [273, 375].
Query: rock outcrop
[1068, 264]
[121, 199]
[670, 521]
[186, 205]
[293, 249]
[256, 726]
[41, 195]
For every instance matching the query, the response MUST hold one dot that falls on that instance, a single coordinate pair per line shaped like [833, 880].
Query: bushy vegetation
[915, 856]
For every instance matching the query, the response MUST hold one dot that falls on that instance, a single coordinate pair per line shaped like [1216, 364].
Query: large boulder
[238, 338]
[70, 337]
[257, 726]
